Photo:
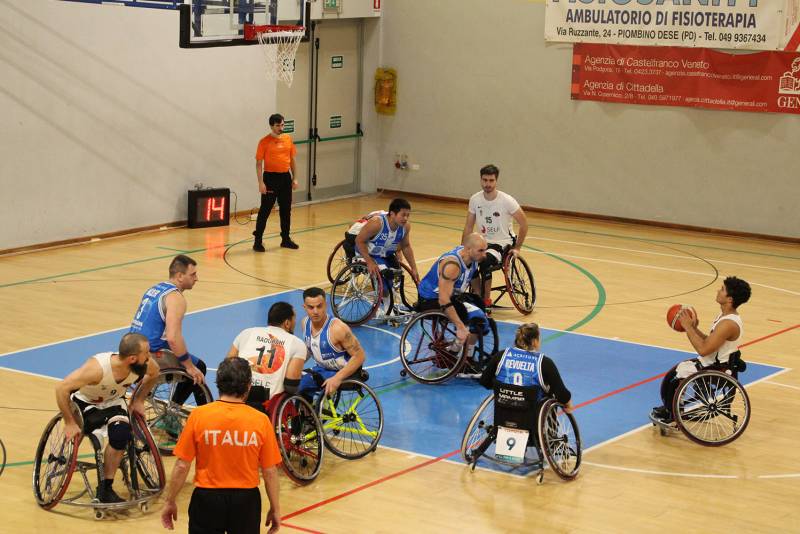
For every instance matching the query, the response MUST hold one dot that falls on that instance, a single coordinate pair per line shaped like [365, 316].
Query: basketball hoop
[279, 44]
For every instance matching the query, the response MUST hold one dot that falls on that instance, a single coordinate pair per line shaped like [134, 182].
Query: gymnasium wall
[478, 84]
[106, 122]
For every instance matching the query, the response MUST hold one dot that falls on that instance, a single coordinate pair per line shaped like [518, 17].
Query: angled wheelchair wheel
[427, 348]
[147, 469]
[352, 420]
[2, 457]
[482, 351]
[559, 439]
[480, 433]
[56, 458]
[409, 290]
[712, 408]
[299, 435]
[519, 283]
[336, 261]
[165, 417]
[356, 294]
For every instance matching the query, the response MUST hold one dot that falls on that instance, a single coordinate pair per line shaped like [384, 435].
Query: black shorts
[220, 510]
[94, 418]
[494, 257]
[458, 304]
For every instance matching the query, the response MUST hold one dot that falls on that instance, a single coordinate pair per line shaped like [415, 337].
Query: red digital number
[215, 204]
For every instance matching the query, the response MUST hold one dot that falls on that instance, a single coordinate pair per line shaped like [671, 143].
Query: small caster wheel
[99, 514]
[403, 372]
[144, 507]
[662, 431]
[540, 478]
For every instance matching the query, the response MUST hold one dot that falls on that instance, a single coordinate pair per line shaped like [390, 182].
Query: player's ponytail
[526, 335]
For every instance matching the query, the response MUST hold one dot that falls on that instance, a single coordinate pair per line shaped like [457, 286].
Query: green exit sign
[337, 62]
[288, 126]
[336, 121]
[332, 5]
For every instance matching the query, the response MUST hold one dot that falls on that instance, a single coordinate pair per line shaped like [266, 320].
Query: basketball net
[279, 44]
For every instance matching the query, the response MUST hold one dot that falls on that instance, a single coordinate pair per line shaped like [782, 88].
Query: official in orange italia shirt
[231, 442]
[276, 181]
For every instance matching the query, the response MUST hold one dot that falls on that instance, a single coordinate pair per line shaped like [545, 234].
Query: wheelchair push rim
[352, 420]
[520, 285]
[336, 261]
[424, 351]
[299, 435]
[356, 294]
[711, 408]
[56, 459]
[146, 464]
[560, 439]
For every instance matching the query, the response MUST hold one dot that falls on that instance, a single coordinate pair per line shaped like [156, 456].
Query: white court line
[788, 475]
[779, 384]
[660, 473]
[679, 256]
[387, 362]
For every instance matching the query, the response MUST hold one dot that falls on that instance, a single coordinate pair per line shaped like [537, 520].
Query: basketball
[672, 316]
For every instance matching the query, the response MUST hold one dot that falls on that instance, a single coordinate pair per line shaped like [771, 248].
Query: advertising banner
[741, 24]
[675, 76]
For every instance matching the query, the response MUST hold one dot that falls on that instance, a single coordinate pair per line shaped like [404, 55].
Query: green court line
[174, 250]
[153, 258]
[642, 239]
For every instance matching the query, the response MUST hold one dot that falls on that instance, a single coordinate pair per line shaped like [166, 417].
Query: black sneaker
[661, 412]
[108, 495]
[288, 243]
[259, 247]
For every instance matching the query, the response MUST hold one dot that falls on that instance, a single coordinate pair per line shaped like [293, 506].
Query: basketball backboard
[209, 23]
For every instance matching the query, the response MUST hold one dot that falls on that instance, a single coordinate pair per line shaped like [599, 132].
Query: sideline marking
[661, 473]
[779, 384]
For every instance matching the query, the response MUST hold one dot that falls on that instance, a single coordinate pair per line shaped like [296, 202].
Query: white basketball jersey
[269, 351]
[493, 217]
[728, 347]
[108, 389]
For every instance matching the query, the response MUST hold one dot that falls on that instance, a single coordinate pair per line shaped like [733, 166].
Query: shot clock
[209, 207]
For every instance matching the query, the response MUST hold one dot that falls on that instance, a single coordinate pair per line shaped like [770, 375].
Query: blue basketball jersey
[150, 318]
[387, 240]
[429, 285]
[520, 367]
[321, 348]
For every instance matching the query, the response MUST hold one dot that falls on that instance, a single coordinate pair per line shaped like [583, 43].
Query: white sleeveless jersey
[108, 389]
[356, 227]
[493, 217]
[269, 351]
[727, 347]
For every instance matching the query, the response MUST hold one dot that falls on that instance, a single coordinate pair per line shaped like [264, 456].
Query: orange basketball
[672, 316]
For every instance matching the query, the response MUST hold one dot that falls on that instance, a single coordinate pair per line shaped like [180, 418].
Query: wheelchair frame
[704, 406]
[551, 430]
[437, 341]
[63, 455]
[514, 268]
[161, 411]
[362, 288]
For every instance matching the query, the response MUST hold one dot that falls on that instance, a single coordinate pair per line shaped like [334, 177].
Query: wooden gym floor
[610, 280]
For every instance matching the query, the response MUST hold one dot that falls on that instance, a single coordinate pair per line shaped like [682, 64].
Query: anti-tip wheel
[540, 478]
[144, 507]
[99, 514]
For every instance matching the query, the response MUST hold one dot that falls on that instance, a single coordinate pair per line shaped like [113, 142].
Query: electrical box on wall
[345, 9]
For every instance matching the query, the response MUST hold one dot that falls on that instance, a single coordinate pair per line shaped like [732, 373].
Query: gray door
[337, 108]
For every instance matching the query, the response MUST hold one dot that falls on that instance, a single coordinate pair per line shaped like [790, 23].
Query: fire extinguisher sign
[376, 5]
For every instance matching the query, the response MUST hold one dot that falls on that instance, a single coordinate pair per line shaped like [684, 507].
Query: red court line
[287, 525]
[453, 453]
[769, 336]
[369, 485]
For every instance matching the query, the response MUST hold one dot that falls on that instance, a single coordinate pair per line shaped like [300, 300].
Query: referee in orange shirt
[231, 441]
[274, 161]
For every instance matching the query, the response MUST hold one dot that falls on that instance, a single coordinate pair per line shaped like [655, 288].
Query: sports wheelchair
[711, 407]
[519, 284]
[357, 295]
[431, 353]
[57, 460]
[165, 417]
[352, 417]
[556, 440]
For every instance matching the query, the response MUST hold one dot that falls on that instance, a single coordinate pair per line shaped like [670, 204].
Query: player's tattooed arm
[450, 273]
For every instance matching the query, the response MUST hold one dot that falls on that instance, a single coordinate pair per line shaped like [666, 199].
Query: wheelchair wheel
[480, 432]
[352, 420]
[409, 292]
[482, 351]
[166, 418]
[56, 458]
[145, 461]
[519, 283]
[2, 457]
[560, 439]
[336, 261]
[299, 434]
[356, 295]
[712, 408]
[425, 348]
